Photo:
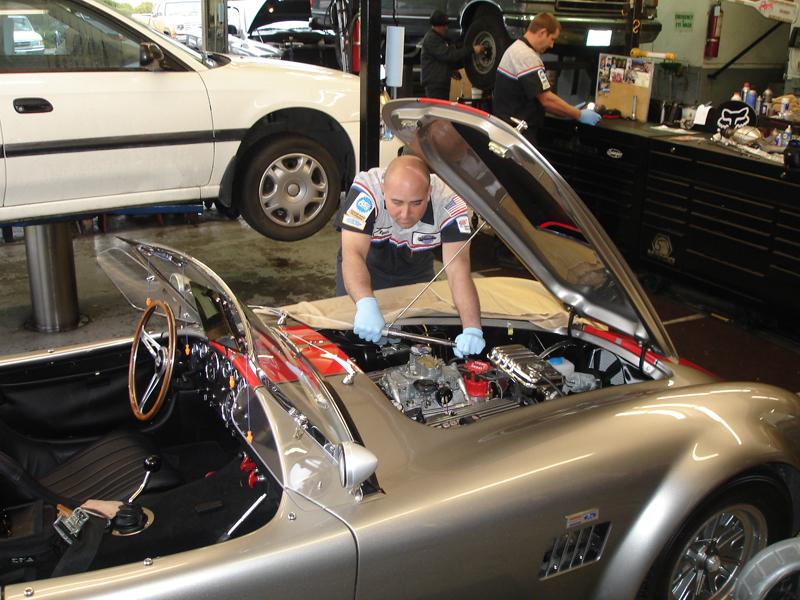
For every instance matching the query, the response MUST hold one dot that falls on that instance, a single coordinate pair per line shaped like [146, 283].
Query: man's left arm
[459, 278]
[465, 297]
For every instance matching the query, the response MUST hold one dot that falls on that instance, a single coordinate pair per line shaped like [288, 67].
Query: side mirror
[356, 464]
[150, 53]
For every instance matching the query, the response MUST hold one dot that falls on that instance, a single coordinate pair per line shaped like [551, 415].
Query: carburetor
[425, 386]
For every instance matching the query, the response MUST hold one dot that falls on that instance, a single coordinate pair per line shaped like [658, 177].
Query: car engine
[452, 394]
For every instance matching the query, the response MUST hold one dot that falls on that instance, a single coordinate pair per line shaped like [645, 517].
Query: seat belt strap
[83, 534]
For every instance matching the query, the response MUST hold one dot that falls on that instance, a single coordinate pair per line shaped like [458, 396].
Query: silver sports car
[577, 457]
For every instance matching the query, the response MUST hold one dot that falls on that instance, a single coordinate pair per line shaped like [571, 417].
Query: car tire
[486, 28]
[772, 574]
[750, 510]
[290, 189]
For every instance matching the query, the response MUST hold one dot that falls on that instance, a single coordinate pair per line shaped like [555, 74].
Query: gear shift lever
[151, 464]
[131, 517]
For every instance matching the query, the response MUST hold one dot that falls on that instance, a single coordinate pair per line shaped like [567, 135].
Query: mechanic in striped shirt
[521, 87]
[391, 222]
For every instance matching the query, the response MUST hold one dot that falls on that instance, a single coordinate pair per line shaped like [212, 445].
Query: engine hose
[560, 344]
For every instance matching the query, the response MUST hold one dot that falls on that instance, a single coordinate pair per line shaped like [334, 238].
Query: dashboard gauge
[212, 368]
[227, 406]
[200, 350]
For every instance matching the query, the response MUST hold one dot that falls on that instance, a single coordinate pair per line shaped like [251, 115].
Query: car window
[58, 35]
[182, 9]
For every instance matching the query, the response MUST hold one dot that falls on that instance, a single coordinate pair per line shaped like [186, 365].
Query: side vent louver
[576, 548]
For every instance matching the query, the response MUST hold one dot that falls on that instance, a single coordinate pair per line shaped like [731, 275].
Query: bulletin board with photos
[625, 83]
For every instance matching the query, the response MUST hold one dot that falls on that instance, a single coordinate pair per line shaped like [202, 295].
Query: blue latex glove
[469, 341]
[369, 322]
[589, 117]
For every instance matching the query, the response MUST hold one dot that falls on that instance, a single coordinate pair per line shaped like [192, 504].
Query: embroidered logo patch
[363, 205]
[358, 222]
[544, 80]
[463, 224]
[419, 238]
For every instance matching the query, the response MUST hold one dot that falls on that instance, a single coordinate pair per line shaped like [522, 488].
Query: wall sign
[684, 22]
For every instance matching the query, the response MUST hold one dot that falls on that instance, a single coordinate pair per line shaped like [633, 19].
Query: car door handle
[32, 105]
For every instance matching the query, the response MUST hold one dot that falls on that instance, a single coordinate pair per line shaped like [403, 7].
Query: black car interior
[67, 434]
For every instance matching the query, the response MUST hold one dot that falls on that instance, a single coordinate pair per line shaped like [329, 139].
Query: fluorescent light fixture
[598, 37]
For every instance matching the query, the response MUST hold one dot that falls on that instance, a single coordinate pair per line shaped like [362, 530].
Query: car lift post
[370, 84]
[51, 274]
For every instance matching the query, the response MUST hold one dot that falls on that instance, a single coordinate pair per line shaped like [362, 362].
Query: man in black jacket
[439, 57]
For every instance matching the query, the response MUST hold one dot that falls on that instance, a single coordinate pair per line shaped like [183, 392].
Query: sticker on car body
[580, 518]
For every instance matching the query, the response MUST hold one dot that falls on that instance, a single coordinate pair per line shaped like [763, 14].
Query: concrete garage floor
[265, 272]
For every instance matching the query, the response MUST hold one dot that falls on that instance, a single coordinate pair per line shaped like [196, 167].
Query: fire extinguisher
[714, 30]
[355, 47]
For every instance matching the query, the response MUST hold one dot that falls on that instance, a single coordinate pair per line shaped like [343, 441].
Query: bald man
[391, 222]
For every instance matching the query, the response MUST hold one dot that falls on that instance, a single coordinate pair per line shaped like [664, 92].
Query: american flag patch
[456, 206]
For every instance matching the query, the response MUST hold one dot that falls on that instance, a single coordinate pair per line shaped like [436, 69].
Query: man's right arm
[355, 274]
[553, 104]
[368, 323]
[444, 52]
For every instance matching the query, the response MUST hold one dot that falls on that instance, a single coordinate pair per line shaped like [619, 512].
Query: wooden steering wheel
[163, 357]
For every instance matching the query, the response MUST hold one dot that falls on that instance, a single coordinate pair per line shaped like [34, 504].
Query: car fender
[768, 437]
[311, 101]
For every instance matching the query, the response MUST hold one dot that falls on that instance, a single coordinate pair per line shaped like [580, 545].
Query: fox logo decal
[733, 118]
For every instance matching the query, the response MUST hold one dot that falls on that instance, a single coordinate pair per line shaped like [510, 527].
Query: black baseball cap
[438, 18]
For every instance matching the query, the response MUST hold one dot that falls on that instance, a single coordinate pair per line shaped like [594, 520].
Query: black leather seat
[110, 468]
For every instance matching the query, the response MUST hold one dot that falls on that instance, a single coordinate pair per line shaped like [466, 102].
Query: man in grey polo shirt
[521, 88]
[391, 222]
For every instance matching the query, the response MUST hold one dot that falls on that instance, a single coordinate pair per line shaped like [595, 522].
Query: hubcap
[485, 60]
[712, 560]
[293, 189]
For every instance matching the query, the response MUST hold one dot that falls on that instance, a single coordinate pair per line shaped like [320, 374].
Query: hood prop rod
[645, 348]
[435, 277]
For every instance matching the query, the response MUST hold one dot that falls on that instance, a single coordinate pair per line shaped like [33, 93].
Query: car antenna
[435, 277]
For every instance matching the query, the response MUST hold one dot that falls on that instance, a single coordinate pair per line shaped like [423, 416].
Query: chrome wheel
[715, 554]
[484, 62]
[293, 189]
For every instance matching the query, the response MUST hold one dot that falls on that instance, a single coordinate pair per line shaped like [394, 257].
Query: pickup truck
[494, 23]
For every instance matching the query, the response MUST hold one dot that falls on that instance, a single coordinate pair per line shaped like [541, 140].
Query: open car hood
[530, 206]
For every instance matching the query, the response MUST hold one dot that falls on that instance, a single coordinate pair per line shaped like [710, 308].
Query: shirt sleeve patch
[363, 205]
[544, 80]
[463, 224]
[455, 206]
[357, 222]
